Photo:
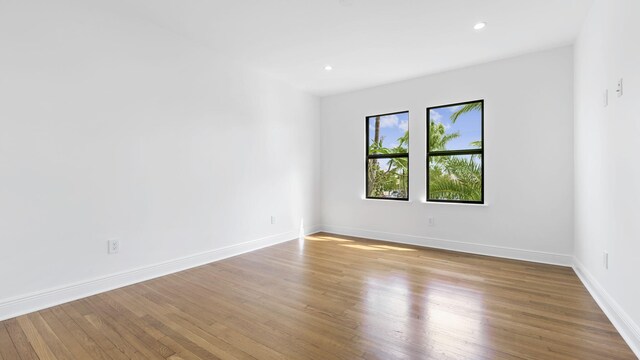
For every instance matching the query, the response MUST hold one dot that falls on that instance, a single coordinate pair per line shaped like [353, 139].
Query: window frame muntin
[456, 152]
[368, 156]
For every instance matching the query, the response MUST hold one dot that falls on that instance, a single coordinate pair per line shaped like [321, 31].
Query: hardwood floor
[331, 297]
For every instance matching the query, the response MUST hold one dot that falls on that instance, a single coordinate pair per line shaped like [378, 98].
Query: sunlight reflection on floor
[427, 315]
[372, 247]
[326, 238]
[361, 247]
[453, 309]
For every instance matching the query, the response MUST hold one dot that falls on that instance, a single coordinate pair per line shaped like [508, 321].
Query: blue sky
[469, 126]
[392, 127]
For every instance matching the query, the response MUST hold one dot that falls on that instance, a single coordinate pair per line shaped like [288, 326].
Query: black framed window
[455, 152]
[387, 156]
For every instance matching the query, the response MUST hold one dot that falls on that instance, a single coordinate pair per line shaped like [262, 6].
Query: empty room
[319, 179]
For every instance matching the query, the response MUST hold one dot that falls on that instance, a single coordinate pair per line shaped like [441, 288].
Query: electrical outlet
[619, 89]
[431, 221]
[605, 260]
[113, 246]
[273, 219]
[606, 97]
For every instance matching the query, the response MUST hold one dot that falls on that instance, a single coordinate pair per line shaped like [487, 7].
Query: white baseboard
[628, 329]
[312, 229]
[491, 250]
[20, 305]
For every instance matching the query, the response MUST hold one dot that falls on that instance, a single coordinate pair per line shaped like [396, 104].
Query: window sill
[454, 203]
[389, 200]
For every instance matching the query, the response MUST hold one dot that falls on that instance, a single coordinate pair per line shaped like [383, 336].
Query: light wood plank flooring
[331, 297]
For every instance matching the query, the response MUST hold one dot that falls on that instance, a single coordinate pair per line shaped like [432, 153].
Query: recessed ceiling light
[480, 25]
[328, 67]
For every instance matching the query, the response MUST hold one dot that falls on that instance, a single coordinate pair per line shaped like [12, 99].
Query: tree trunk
[376, 137]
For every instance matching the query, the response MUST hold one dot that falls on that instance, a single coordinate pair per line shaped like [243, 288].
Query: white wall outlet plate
[113, 246]
[431, 221]
[619, 88]
[273, 219]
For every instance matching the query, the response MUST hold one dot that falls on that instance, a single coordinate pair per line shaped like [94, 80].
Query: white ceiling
[368, 42]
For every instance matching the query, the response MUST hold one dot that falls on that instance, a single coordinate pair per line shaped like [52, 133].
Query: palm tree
[400, 166]
[438, 137]
[454, 177]
[374, 167]
[394, 177]
[476, 106]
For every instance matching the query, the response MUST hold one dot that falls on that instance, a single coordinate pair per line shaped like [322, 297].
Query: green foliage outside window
[388, 168]
[456, 177]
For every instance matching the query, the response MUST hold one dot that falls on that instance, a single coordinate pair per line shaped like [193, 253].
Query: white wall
[607, 170]
[113, 127]
[528, 151]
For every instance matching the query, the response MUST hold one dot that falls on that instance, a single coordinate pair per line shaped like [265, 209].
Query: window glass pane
[456, 127]
[388, 178]
[455, 177]
[388, 134]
